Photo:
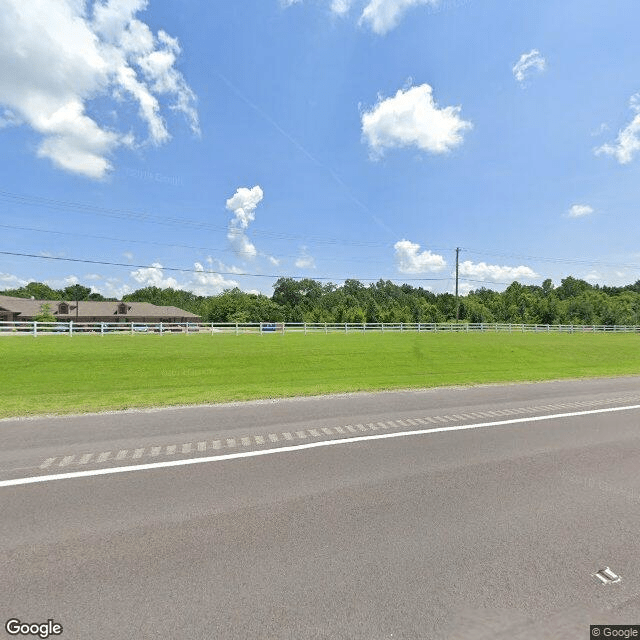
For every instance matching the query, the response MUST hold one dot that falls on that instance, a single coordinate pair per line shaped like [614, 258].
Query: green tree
[45, 314]
[76, 292]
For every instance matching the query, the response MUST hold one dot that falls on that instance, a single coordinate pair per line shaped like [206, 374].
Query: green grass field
[58, 374]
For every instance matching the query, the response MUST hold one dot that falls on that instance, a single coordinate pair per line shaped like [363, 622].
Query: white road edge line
[299, 447]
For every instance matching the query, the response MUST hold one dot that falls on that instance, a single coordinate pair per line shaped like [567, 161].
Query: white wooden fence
[267, 328]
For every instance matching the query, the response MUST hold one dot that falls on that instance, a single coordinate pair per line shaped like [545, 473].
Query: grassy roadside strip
[58, 374]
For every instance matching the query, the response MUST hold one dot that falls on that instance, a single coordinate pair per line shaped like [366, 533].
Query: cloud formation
[243, 206]
[528, 64]
[627, 143]
[409, 259]
[579, 210]
[494, 272]
[383, 15]
[201, 282]
[412, 118]
[305, 260]
[58, 55]
[340, 7]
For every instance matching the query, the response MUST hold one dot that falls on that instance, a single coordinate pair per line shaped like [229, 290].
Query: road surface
[467, 513]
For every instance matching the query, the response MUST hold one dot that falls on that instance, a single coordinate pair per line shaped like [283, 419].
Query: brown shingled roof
[27, 308]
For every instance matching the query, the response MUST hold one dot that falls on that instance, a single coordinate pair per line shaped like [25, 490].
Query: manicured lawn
[58, 374]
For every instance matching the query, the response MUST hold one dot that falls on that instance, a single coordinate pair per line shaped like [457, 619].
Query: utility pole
[457, 302]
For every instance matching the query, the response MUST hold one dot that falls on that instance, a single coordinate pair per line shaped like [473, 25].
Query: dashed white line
[67, 460]
[85, 458]
[155, 451]
[171, 449]
[47, 463]
[287, 436]
[246, 442]
[300, 447]
[327, 431]
[216, 444]
[202, 446]
[339, 429]
[361, 427]
[138, 453]
[259, 440]
[122, 454]
[231, 442]
[301, 434]
[104, 456]
[315, 433]
[273, 437]
[350, 428]
[186, 447]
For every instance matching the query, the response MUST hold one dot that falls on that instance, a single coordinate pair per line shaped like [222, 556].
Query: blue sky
[319, 138]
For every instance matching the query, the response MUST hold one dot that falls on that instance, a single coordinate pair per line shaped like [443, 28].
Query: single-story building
[25, 309]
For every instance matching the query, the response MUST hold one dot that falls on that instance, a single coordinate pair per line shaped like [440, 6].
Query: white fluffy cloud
[200, 282]
[341, 7]
[57, 55]
[384, 15]
[153, 276]
[409, 259]
[627, 143]
[10, 281]
[206, 283]
[528, 64]
[381, 16]
[580, 210]
[494, 272]
[243, 206]
[305, 260]
[412, 117]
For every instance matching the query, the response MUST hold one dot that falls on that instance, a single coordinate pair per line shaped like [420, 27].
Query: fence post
[418, 327]
[102, 329]
[401, 327]
[383, 327]
[346, 330]
[236, 328]
[161, 329]
[35, 328]
[326, 331]
[70, 327]
[305, 328]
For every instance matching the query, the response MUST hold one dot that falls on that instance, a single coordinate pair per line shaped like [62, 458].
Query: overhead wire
[204, 271]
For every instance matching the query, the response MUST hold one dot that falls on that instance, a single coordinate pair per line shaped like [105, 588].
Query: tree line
[574, 301]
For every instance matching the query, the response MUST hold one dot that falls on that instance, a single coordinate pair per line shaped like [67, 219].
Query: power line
[79, 207]
[202, 271]
[139, 216]
[583, 261]
[159, 244]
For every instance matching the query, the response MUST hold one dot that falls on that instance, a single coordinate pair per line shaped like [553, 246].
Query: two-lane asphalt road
[466, 513]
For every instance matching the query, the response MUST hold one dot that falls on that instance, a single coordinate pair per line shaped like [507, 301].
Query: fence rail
[265, 328]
